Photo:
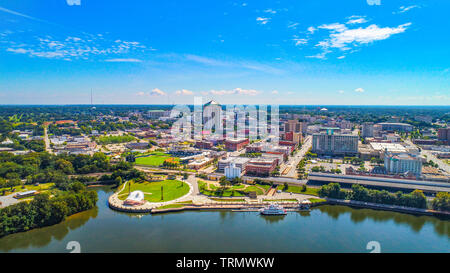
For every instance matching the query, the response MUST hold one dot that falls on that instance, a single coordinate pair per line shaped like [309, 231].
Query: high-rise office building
[334, 144]
[293, 126]
[444, 135]
[367, 129]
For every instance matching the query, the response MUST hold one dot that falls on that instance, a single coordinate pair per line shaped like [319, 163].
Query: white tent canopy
[136, 196]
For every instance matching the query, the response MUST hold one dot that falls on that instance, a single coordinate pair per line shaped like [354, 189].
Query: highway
[429, 186]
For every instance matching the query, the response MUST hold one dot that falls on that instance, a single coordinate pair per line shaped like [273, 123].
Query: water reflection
[197, 231]
[41, 237]
[304, 213]
[416, 223]
[272, 218]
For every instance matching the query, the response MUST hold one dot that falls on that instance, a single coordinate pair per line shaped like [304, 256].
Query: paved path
[116, 203]
[199, 199]
[8, 200]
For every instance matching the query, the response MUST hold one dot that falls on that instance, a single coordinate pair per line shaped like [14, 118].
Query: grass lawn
[172, 189]
[227, 200]
[315, 200]
[171, 206]
[154, 159]
[41, 187]
[265, 187]
[297, 189]
[212, 190]
[256, 188]
[280, 200]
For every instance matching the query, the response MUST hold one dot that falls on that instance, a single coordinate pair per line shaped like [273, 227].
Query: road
[294, 160]
[430, 156]
[429, 186]
[47, 140]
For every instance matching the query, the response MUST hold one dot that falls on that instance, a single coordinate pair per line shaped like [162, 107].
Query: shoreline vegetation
[45, 210]
[415, 199]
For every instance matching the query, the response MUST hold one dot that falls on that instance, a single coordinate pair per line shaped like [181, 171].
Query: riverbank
[149, 208]
[409, 210]
[102, 230]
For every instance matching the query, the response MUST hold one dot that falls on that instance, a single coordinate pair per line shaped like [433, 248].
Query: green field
[212, 190]
[172, 189]
[227, 200]
[40, 187]
[154, 159]
[316, 200]
[236, 190]
[171, 206]
[297, 189]
[103, 140]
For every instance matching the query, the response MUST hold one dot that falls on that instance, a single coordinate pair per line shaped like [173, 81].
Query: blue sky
[252, 52]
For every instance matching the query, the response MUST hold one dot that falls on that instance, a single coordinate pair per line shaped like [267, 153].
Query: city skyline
[246, 52]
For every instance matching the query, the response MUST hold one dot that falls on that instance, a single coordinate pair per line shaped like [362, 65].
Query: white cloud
[18, 14]
[321, 55]
[275, 92]
[140, 93]
[335, 27]
[356, 20]
[74, 2]
[263, 20]
[17, 50]
[403, 9]
[293, 25]
[70, 47]
[299, 41]
[236, 91]
[343, 38]
[365, 35]
[359, 90]
[123, 60]
[312, 30]
[235, 64]
[341, 91]
[157, 92]
[341, 57]
[270, 11]
[249, 92]
[184, 92]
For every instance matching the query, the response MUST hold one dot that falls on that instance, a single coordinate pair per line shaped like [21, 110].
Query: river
[324, 229]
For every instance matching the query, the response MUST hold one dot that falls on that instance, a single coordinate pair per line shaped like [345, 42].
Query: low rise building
[396, 126]
[203, 144]
[232, 171]
[236, 144]
[240, 162]
[261, 166]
